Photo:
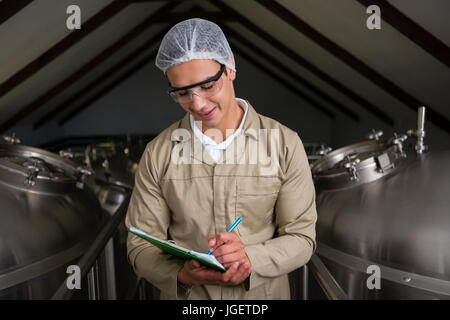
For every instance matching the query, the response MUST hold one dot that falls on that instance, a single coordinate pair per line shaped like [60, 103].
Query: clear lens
[205, 91]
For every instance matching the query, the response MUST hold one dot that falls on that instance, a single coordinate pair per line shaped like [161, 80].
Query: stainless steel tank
[114, 180]
[384, 210]
[114, 163]
[48, 218]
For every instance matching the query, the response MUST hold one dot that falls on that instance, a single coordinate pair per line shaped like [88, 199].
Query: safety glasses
[204, 89]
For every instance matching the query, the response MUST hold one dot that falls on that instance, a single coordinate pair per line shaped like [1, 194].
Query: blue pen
[232, 227]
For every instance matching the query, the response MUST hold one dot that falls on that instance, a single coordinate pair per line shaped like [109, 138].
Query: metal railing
[89, 264]
[326, 281]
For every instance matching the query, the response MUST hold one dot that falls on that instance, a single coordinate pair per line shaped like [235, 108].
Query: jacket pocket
[255, 202]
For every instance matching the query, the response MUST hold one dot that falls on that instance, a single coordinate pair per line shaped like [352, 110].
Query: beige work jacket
[180, 193]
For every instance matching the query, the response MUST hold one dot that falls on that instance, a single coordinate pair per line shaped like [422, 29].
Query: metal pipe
[421, 119]
[305, 282]
[92, 283]
[110, 271]
[420, 132]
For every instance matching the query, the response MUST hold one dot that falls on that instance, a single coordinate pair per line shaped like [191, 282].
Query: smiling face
[219, 111]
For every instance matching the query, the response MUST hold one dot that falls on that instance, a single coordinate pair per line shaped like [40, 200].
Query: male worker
[194, 180]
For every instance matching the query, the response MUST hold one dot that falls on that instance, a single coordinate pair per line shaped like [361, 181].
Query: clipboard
[172, 248]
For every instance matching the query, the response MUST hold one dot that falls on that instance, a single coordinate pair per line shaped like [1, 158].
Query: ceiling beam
[174, 18]
[353, 62]
[137, 1]
[8, 8]
[411, 30]
[288, 85]
[299, 79]
[129, 58]
[63, 45]
[150, 57]
[84, 70]
[376, 111]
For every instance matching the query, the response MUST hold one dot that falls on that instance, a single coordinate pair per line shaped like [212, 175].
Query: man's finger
[229, 264]
[211, 240]
[230, 272]
[228, 249]
[213, 277]
[217, 245]
[228, 237]
[237, 256]
[193, 264]
[223, 238]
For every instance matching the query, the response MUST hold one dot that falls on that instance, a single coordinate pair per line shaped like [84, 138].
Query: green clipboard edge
[176, 252]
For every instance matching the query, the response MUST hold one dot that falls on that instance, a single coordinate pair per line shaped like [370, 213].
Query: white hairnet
[194, 39]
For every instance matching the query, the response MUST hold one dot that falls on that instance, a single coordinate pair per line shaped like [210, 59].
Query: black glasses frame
[215, 78]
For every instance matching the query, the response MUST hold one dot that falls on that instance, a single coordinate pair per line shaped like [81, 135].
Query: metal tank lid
[359, 163]
[36, 169]
[111, 161]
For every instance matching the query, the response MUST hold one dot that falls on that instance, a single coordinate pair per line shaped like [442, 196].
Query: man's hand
[228, 248]
[194, 273]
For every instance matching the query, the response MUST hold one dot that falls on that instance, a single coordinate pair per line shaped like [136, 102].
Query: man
[199, 175]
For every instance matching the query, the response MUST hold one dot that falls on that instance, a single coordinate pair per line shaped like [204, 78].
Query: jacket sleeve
[296, 216]
[149, 212]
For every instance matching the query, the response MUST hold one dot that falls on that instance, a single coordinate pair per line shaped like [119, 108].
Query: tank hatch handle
[398, 141]
[66, 154]
[350, 165]
[324, 150]
[32, 175]
[375, 135]
[83, 171]
[12, 139]
[34, 166]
